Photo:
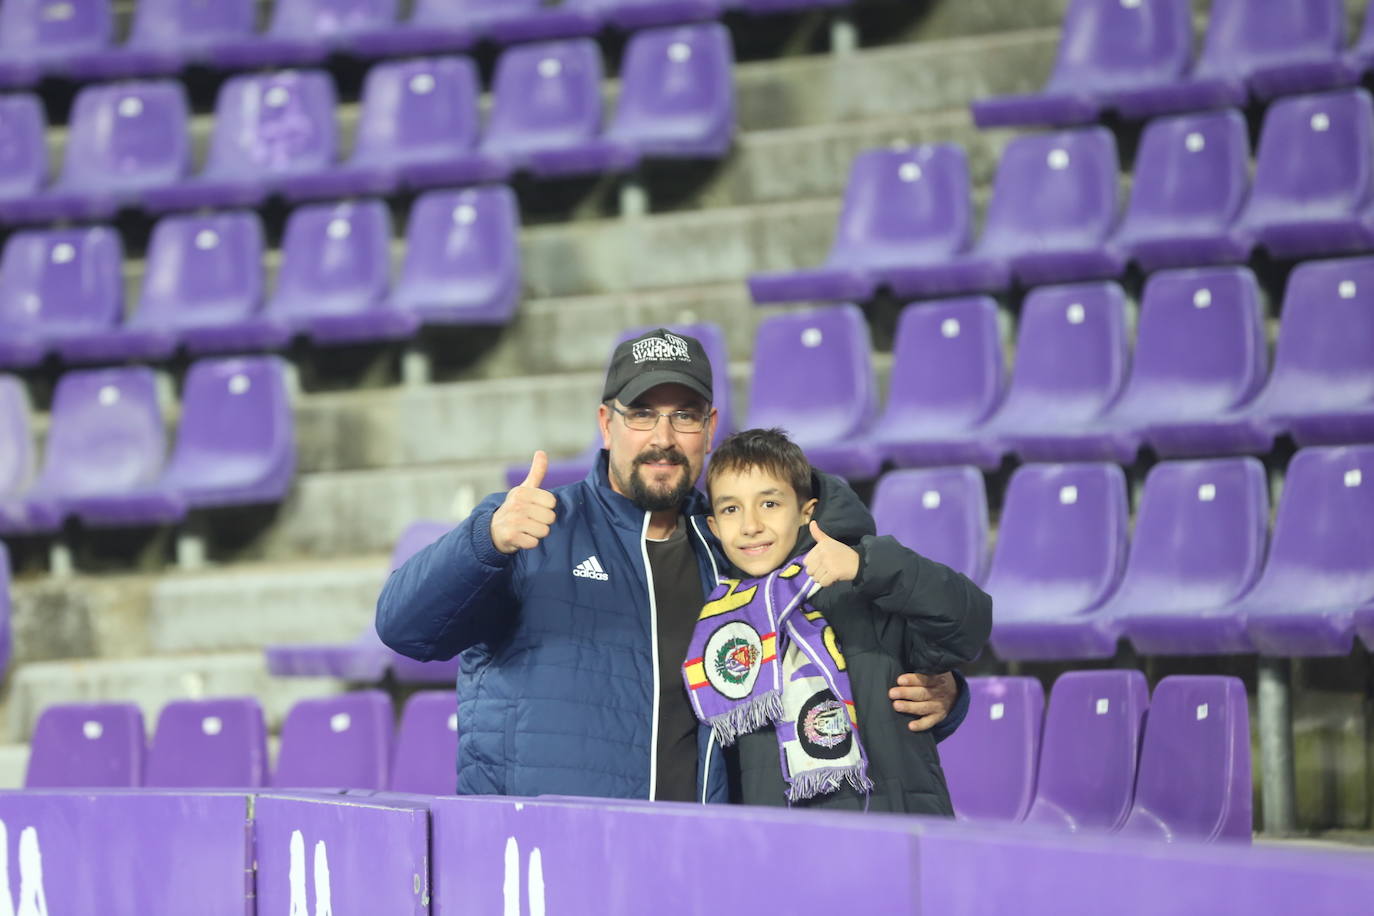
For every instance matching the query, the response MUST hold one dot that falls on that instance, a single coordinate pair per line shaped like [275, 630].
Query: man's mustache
[658, 455]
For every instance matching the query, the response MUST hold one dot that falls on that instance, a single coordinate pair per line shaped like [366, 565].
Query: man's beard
[658, 500]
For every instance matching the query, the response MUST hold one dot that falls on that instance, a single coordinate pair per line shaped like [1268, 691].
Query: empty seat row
[341, 742]
[906, 224]
[1106, 756]
[74, 38]
[1198, 381]
[420, 126]
[1135, 58]
[106, 463]
[204, 288]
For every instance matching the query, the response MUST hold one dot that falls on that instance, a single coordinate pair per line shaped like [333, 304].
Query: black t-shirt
[678, 598]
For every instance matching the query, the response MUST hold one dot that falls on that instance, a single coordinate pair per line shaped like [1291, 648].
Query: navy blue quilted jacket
[558, 680]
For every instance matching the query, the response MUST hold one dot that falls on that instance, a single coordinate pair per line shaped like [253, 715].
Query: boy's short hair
[769, 449]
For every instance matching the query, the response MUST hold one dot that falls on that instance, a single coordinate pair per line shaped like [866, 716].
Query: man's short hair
[767, 449]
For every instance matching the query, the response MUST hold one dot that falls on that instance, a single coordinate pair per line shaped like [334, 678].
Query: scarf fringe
[810, 783]
[762, 710]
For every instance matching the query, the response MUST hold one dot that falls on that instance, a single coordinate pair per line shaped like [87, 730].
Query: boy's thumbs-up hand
[524, 519]
[830, 561]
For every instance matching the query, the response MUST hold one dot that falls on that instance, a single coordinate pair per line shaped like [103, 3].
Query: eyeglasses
[646, 418]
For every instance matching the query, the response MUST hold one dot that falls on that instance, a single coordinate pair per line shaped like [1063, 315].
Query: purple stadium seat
[304, 31]
[462, 257]
[571, 470]
[1194, 777]
[641, 14]
[37, 36]
[947, 377]
[124, 139]
[902, 208]
[236, 444]
[107, 439]
[1053, 207]
[1321, 559]
[426, 756]
[991, 761]
[677, 98]
[1267, 50]
[1199, 543]
[17, 459]
[941, 513]
[1088, 752]
[335, 272]
[546, 110]
[341, 742]
[23, 150]
[202, 285]
[57, 284]
[268, 129]
[1191, 177]
[1314, 187]
[216, 744]
[1061, 546]
[827, 354]
[1322, 387]
[168, 34]
[1103, 46]
[434, 26]
[86, 745]
[1199, 353]
[365, 659]
[419, 127]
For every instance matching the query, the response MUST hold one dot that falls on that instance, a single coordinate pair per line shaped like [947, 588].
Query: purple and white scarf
[761, 655]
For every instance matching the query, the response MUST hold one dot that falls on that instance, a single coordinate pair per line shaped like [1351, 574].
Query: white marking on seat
[207, 239]
[108, 396]
[1201, 711]
[1321, 122]
[63, 252]
[1346, 289]
[465, 214]
[679, 52]
[211, 725]
[340, 722]
[950, 328]
[338, 228]
[1058, 159]
[930, 499]
[277, 96]
[1207, 492]
[1353, 477]
[1068, 495]
[1075, 313]
[1194, 142]
[1202, 298]
[1104, 706]
[550, 67]
[131, 106]
[422, 83]
[92, 729]
[997, 711]
[812, 337]
[909, 172]
[239, 384]
[453, 721]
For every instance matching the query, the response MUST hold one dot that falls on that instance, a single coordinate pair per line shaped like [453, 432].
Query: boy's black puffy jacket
[902, 613]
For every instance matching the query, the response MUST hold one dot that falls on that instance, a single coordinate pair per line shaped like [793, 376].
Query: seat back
[1052, 191]
[426, 756]
[828, 355]
[190, 23]
[86, 745]
[1192, 172]
[128, 136]
[1200, 349]
[336, 259]
[545, 95]
[683, 74]
[941, 513]
[324, 19]
[54, 28]
[273, 124]
[1088, 755]
[990, 762]
[62, 279]
[23, 149]
[1194, 780]
[1105, 44]
[1061, 543]
[1243, 37]
[1326, 335]
[106, 435]
[947, 366]
[219, 743]
[202, 270]
[339, 742]
[414, 106]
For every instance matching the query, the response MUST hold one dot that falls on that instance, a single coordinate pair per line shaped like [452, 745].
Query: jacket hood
[839, 512]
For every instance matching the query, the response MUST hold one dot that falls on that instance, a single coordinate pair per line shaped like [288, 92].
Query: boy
[870, 610]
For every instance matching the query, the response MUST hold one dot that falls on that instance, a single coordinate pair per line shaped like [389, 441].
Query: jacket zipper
[653, 641]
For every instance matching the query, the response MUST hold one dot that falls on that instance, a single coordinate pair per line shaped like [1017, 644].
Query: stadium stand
[87, 745]
[218, 743]
[991, 761]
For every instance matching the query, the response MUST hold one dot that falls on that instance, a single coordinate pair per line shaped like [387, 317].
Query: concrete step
[151, 682]
[14, 761]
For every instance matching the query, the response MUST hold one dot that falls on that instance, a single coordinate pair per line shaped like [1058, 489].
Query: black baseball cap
[657, 358]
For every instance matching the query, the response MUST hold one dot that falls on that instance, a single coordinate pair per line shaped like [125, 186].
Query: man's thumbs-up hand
[830, 561]
[524, 519]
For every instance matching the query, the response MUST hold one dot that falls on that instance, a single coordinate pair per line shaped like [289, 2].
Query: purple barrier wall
[341, 854]
[134, 853]
[514, 856]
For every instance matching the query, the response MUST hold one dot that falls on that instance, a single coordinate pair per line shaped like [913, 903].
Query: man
[573, 608]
